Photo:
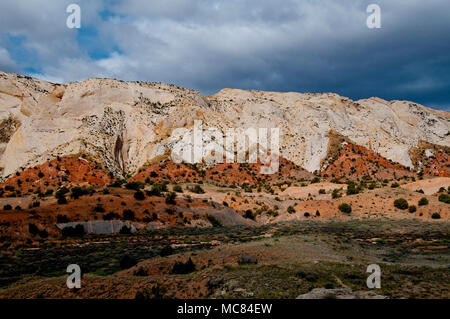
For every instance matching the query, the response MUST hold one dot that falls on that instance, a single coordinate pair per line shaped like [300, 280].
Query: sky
[207, 45]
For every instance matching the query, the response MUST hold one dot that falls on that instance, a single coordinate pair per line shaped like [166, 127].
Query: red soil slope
[355, 161]
[62, 171]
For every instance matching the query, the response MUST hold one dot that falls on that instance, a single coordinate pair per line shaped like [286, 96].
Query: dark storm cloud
[304, 46]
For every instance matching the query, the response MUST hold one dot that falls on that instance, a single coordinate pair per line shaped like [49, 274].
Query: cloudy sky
[279, 45]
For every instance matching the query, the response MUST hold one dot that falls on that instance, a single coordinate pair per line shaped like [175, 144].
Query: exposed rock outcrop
[127, 124]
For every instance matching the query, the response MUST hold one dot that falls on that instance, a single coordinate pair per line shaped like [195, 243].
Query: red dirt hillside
[226, 174]
[440, 166]
[62, 171]
[223, 174]
[356, 161]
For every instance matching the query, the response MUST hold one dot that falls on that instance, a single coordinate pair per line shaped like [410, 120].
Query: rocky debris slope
[124, 125]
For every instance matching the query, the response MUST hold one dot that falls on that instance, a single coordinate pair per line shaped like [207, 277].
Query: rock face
[126, 124]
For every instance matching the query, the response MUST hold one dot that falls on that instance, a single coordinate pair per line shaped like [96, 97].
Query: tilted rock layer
[127, 124]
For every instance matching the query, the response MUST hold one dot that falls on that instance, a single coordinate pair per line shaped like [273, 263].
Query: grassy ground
[293, 258]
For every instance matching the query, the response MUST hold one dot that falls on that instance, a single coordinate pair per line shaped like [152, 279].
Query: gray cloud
[305, 46]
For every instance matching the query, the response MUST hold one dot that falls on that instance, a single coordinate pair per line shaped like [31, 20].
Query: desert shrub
[441, 190]
[291, 210]
[170, 198]
[436, 216]
[224, 203]
[322, 191]
[62, 219]
[62, 200]
[99, 208]
[61, 192]
[111, 216]
[69, 231]
[139, 195]
[127, 261]
[183, 268]
[125, 230]
[197, 189]
[395, 185]
[117, 183]
[40, 174]
[43, 233]
[315, 180]
[336, 193]
[140, 272]
[345, 208]
[33, 229]
[412, 209]
[134, 185]
[306, 214]
[445, 198]
[214, 221]
[401, 203]
[157, 292]
[157, 189]
[166, 251]
[423, 201]
[420, 191]
[128, 214]
[7, 207]
[36, 204]
[249, 214]
[77, 192]
[177, 188]
[352, 189]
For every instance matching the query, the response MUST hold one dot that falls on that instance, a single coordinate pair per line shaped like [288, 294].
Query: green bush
[436, 216]
[166, 251]
[322, 191]
[62, 219]
[249, 214]
[77, 231]
[291, 210]
[170, 198]
[139, 195]
[445, 198]
[128, 214]
[127, 262]
[177, 188]
[345, 208]
[134, 185]
[7, 207]
[336, 193]
[77, 192]
[412, 209]
[183, 268]
[401, 203]
[32, 229]
[157, 189]
[395, 185]
[197, 189]
[214, 221]
[125, 230]
[423, 201]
